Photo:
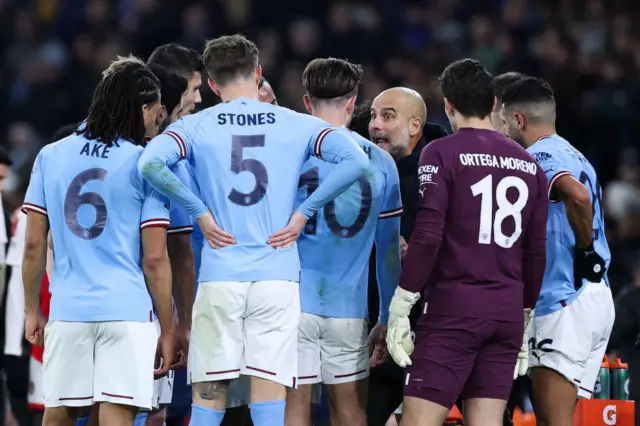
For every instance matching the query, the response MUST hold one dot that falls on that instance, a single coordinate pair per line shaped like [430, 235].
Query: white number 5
[506, 208]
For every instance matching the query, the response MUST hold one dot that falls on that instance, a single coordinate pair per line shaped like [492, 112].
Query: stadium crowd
[55, 51]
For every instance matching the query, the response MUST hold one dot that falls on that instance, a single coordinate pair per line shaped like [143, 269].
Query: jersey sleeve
[164, 151]
[155, 210]
[392, 204]
[534, 245]
[339, 148]
[430, 219]
[552, 165]
[34, 200]
[180, 220]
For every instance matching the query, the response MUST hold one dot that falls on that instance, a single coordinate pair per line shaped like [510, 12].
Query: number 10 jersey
[97, 203]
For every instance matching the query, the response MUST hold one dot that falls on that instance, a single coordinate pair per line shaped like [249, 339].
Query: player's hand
[378, 353]
[183, 333]
[216, 237]
[34, 326]
[165, 354]
[588, 265]
[399, 341]
[287, 236]
[403, 247]
[522, 364]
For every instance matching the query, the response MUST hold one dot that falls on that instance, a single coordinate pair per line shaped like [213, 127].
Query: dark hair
[64, 131]
[469, 88]
[331, 78]
[230, 57]
[116, 108]
[178, 59]
[503, 80]
[5, 158]
[172, 86]
[361, 118]
[527, 90]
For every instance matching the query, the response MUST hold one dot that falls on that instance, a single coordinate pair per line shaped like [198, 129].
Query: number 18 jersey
[558, 158]
[97, 203]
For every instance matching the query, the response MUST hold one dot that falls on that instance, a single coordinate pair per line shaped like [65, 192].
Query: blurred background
[52, 53]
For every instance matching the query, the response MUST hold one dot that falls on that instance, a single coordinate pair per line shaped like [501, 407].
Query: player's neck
[332, 116]
[239, 89]
[474, 123]
[535, 133]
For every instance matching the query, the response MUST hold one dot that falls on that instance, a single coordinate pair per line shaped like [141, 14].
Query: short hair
[177, 58]
[172, 86]
[116, 108]
[230, 57]
[502, 81]
[361, 118]
[64, 131]
[5, 158]
[331, 78]
[469, 88]
[527, 90]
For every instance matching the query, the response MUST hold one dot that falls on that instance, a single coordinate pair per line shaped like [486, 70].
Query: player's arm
[576, 198]
[164, 151]
[183, 272]
[387, 240]
[34, 258]
[422, 252]
[155, 258]
[341, 149]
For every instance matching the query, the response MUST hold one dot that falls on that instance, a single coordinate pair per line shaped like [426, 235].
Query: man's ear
[415, 126]
[161, 115]
[307, 104]
[214, 87]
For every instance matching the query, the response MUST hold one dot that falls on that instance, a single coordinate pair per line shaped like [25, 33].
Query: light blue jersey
[97, 202]
[246, 156]
[557, 157]
[336, 244]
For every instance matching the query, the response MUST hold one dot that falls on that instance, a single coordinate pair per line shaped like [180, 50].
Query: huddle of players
[246, 315]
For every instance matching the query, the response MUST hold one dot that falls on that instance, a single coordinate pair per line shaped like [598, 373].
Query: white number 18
[506, 208]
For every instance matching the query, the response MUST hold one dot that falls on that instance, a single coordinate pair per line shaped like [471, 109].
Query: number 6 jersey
[479, 238]
[557, 158]
[97, 203]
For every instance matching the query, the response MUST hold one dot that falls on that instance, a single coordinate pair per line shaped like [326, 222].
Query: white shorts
[35, 397]
[573, 340]
[247, 328]
[332, 350]
[162, 388]
[87, 362]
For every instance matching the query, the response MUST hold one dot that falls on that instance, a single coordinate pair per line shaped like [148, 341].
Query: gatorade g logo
[609, 415]
[626, 387]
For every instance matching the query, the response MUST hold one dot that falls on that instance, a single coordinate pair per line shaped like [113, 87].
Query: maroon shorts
[456, 356]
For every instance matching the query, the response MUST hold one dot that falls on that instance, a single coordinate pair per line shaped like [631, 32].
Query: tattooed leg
[212, 395]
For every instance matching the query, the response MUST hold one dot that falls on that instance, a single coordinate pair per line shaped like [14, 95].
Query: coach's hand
[588, 265]
[165, 354]
[399, 341]
[403, 247]
[287, 236]
[34, 326]
[522, 364]
[216, 237]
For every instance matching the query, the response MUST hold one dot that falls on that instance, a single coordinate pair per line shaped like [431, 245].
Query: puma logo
[421, 191]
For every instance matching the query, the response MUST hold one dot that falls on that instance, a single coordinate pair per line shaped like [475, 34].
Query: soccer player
[247, 156]
[499, 83]
[110, 228]
[266, 92]
[482, 217]
[332, 334]
[186, 63]
[575, 312]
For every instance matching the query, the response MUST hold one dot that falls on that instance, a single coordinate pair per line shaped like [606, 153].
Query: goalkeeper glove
[588, 265]
[399, 342]
[522, 364]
